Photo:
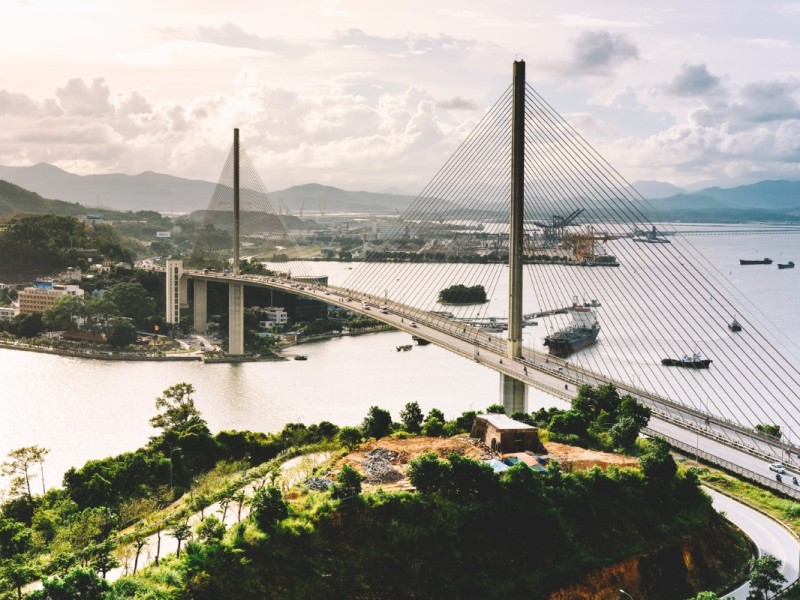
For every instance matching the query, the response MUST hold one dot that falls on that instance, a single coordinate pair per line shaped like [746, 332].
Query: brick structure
[503, 434]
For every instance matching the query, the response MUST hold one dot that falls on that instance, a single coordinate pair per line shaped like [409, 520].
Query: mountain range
[763, 201]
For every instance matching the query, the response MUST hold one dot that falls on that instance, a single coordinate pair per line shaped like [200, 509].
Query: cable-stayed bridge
[472, 225]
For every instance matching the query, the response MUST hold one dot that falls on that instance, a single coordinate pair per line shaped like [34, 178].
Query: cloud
[235, 37]
[76, 98]
[693, 80]
[600, 53]
[457, 103]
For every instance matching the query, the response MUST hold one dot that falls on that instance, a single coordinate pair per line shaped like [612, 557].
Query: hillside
[16, 200]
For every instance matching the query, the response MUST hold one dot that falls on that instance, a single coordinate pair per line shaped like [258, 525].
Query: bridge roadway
[711, 438]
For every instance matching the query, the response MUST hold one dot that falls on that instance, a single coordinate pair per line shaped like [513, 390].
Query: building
[43, 294]
[7, 313]
[174, 274]
[71, 274]
[273, 317]
[503, 434]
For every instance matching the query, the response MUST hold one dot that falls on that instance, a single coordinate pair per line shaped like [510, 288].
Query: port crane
[553, 232]
[583, 242]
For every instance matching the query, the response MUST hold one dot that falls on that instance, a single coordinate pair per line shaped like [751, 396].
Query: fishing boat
[734, 326]
[766, 261]
[789, 265]
[690, 362]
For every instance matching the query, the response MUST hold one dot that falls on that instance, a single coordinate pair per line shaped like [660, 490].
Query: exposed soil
[570, 457]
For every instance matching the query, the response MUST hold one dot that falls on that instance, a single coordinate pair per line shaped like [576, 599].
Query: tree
[181, 532]
[412, 417]
[99, 311]
[377, 423]
[427, 473]
[210, 530]
[63, 315]
[102, 559]
[348, 484]
[433, 427]
[765, 578]
[496, 409]
[121, 334]
[18, 468]
[657, 464]
[139, 542]
[180, 415]
[706, 596]
[435, 413]
[132, 300]
[624, 433]
[77, 584]
[770, 430]
[268, 507]
[17, 574]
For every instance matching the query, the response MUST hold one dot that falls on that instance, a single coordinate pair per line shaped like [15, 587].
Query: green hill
[16, 200]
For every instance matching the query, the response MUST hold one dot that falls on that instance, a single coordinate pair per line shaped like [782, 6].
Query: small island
[461, 294]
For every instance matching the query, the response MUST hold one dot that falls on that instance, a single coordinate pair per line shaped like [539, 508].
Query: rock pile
[319, 484]
[378, 468]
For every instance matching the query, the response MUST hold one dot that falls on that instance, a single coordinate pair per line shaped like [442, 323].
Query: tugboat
[789, 265]
[766, 261]
[690, 362]
[650, 237]
[582, 333]
[735, 326]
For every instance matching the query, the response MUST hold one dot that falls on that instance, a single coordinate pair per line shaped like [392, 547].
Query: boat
[420, 341]
[582, 333]
[300, 357]
[650, 237]
[789, 265]
[766, 261]
[735, 326]
[690, 362]
[593, 304]
[601, 260]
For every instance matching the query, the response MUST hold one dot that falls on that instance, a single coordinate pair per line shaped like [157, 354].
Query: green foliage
[433, 427]
[377, 423]
[348, 484]
[122, 333]
[496, 409]
[133, 301]
[427, 473]
[210, 530]
[765, 578]
[770, 430]
[411, 417]
[268, 508]
[77, 584]
[657, 464]
[15, 538]
[349, 437]
[461, 294]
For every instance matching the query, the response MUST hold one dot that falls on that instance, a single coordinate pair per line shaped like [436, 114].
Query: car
[778, 468]
[413, 324]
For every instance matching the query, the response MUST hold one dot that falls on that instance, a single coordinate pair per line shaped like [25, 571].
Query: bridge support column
[235, 319]
[200, 306]
[184, 292]
[514, 394]
[517, 216]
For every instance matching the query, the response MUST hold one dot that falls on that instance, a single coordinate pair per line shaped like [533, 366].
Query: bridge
[522, 163]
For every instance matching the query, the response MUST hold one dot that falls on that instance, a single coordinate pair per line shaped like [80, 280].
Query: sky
[375, 96]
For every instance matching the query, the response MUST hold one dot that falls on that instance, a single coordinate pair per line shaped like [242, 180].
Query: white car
[413, 324]
[778, 468]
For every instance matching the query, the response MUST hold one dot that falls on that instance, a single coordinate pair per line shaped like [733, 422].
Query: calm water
[83, 409]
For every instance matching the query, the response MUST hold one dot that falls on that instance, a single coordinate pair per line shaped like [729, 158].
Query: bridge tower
[236, 290]
[514, 393]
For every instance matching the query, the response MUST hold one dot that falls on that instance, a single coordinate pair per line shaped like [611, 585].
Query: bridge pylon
[514, 393]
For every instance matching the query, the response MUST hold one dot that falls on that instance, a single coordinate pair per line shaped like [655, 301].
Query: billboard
[163, 234]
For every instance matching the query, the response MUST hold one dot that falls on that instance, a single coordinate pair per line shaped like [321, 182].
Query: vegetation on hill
[466, 532]
[14, 200]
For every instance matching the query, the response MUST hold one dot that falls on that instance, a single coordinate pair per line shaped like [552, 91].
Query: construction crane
[582, 243]
[553, 232]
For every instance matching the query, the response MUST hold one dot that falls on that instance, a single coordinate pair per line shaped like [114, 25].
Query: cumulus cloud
[76, 98]
[600, 53]
[457, 103]
[693, 80]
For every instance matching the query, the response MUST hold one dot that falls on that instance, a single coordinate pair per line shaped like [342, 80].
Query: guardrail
[784, 489]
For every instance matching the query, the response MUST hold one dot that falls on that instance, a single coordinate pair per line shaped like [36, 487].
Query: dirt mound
[581, 459]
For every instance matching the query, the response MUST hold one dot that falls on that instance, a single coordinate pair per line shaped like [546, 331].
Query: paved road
[768, 535]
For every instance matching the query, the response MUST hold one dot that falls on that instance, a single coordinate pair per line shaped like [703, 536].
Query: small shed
[503, 434]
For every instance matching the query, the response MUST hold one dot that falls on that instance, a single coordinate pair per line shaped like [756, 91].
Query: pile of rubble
[378, 468]
[486, 452]
[319, 484]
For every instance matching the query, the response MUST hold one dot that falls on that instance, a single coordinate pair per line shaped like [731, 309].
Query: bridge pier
[235, 319]
[200, 306]
[514, 394]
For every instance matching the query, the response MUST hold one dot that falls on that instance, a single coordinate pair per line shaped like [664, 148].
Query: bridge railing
[784, 489]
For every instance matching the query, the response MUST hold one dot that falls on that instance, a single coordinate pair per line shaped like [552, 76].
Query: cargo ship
[690, 362]
[582, 333]
[789, 265]
[766, 261]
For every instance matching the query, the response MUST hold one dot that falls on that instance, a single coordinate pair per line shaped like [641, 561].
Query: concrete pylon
[515, 393]
[235, 319]
[200, 306]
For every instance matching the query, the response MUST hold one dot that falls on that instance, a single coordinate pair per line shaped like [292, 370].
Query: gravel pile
[378, 468]
[319, 484]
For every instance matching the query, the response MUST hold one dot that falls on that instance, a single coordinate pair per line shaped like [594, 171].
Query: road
[769, 537]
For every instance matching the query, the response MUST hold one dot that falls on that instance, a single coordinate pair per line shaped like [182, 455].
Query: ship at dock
[765, 261]
[581, 333]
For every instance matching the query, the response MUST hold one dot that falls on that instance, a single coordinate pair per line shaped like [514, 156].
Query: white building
[274, 317]
[174, 274]
[7, 313]
[43, 294]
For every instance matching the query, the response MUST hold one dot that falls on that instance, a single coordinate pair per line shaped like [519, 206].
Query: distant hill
[762, 201]
[16, 200]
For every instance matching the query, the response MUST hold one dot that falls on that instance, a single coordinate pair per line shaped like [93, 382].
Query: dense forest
[462, 294]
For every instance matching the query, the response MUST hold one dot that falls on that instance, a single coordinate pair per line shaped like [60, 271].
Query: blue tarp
[497, 465]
